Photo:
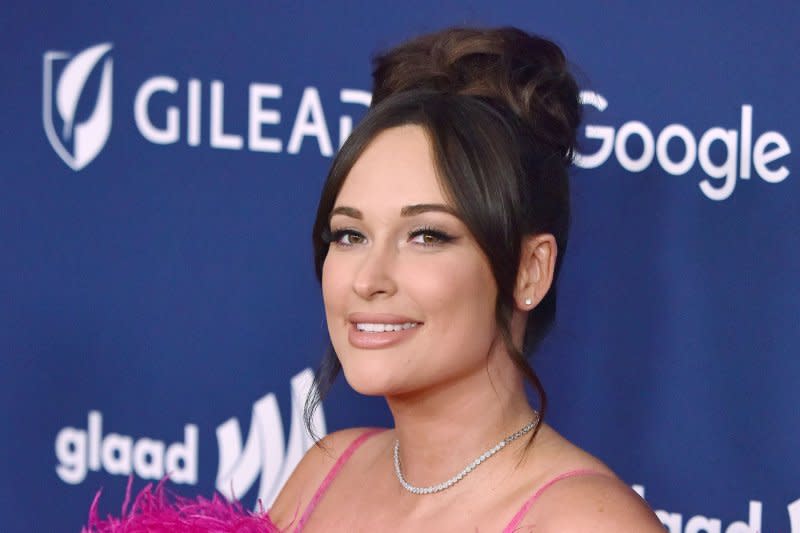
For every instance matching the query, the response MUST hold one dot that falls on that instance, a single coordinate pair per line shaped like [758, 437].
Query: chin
[366, 382]
[367, 390]
[374, 376]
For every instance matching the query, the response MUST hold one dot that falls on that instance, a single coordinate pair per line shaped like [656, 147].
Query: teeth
[380, 328]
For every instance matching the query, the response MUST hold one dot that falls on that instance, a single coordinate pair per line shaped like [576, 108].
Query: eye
[429, 237]
[347, 237]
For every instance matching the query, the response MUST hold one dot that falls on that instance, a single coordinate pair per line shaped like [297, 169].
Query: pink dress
[154, 511]
[340, 462]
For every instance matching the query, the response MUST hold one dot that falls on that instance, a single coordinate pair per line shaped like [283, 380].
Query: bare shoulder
[309, 474]
[600, 503]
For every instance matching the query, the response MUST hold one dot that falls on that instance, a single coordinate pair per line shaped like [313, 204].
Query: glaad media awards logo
[77, 140]
[264, 453]
[675, 522]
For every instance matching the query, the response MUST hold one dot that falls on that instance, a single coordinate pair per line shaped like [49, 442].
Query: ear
[537, 266]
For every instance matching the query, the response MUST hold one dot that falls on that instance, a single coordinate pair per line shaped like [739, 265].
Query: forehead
[395, 169]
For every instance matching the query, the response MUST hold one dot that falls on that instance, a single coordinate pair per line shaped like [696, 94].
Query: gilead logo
[161, 125]
[76, 141]
[741, 153]
[162, 104]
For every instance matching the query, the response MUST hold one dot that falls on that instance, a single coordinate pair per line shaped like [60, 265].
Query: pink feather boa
[154, 511]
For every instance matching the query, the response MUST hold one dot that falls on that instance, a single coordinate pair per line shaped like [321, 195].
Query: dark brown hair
[501, 111]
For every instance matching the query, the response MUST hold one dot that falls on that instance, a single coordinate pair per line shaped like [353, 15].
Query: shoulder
[577, 493]
[598, 502]
[309, 474]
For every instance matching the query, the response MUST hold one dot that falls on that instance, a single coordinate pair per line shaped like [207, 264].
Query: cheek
[458, 292]
[334, 297]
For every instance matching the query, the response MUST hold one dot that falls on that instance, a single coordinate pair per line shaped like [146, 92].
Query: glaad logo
[79, 451]
[82, 450]
[264, 451]
[79, 142]
[674, 522]
[738, 146]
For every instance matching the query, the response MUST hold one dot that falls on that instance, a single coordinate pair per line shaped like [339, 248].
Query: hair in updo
[501, 111]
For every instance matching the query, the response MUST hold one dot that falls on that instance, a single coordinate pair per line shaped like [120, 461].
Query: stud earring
[528, 301]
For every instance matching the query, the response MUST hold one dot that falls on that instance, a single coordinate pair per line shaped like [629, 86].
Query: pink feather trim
[156, 511]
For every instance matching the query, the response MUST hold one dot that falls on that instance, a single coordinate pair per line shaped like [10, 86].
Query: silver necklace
[469, 468]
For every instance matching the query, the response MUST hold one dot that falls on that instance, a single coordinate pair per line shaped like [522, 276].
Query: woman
[438, 240]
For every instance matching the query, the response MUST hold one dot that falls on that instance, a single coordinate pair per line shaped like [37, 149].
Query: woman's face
[409, 295]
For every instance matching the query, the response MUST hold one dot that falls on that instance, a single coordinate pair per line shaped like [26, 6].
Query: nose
[375, 275]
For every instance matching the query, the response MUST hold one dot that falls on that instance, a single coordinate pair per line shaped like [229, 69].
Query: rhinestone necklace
[469, 468]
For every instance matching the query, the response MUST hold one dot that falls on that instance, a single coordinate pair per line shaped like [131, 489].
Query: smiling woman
[438, 239]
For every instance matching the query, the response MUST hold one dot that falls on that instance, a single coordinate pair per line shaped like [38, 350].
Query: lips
[373, 331]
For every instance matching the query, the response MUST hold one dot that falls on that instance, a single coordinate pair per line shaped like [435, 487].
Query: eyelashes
[425, 236]
[341, 237]
[346, 237]
[431, 236]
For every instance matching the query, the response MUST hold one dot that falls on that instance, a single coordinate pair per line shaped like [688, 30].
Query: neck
[443, 429]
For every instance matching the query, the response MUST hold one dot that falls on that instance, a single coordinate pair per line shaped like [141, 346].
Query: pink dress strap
[512, 526]
[334, 471]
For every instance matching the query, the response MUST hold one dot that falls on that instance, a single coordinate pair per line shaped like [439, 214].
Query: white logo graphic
[674, 522]
[794, 515]
[264, 451]
[69, 87]
[87, 137]
[738, 145]
[79, 451]
[209, 111]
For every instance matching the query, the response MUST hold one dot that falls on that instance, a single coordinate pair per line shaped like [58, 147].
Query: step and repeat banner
[161, 164]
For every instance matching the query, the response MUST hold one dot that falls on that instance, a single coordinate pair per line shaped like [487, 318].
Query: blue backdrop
[158, 310]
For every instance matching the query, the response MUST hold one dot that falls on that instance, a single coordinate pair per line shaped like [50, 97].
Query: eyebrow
[407, 211]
